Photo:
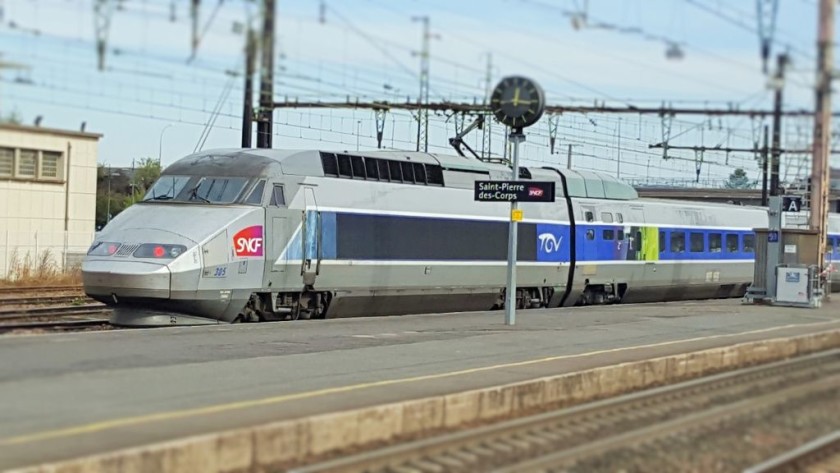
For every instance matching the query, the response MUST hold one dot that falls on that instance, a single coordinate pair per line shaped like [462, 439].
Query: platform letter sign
[791, 204]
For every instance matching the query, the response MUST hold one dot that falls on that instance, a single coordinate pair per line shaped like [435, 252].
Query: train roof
[257, 162]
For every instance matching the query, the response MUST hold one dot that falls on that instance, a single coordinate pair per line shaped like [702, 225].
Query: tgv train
[251, 235]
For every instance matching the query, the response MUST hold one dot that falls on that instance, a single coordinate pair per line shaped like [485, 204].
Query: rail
[555, 439]
[810, 456]
[56, 317]
[39, 289]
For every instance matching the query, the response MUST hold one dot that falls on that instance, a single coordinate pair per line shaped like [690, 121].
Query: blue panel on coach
[553, 242]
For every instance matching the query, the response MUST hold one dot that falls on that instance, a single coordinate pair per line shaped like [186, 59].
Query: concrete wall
[47, 210]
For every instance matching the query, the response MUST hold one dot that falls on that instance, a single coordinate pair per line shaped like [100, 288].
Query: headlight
[103, 248]
[157, 250]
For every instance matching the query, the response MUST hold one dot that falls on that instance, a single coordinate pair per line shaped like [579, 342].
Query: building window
[31, 164]
[7, 161]
[28, 163]
[50, 165]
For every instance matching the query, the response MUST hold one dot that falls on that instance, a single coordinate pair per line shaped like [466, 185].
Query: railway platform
[77, 394]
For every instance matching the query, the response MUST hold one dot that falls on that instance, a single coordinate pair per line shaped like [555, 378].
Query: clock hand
[516, 97]
[517, 103]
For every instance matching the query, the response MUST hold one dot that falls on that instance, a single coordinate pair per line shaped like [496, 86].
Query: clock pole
[518, 102]
[516, 137]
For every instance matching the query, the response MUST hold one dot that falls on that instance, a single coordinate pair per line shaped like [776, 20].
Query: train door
[279, 231]
[310, 239]
[586, 245]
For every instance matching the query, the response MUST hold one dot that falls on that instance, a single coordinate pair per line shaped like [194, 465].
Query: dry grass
[41, 270]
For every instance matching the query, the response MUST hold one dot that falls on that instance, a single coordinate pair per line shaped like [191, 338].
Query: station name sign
[514, 191]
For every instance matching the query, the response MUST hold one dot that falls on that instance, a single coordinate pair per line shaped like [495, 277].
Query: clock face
[517, 102]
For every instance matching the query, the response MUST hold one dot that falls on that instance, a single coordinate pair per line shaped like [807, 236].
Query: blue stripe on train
[594, 242]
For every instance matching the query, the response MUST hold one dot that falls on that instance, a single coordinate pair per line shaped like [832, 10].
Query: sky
[154, 100]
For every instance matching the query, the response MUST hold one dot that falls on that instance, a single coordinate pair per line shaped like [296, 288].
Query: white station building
[47, 195]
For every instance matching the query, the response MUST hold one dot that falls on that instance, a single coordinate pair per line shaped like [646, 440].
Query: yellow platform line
[218, 408]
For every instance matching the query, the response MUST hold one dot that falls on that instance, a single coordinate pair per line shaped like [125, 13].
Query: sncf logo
[535, 192]
[249, 241]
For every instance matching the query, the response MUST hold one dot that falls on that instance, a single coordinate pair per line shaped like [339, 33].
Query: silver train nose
[113, 280]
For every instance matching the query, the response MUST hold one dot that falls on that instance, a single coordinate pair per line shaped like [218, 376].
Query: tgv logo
[249, 241]
[549, 243]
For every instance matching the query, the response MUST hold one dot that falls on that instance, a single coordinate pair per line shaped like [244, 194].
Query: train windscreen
[167, 188]
[209, 190]
[218, 190]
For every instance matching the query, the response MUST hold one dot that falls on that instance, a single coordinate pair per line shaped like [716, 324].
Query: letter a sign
[791, 204]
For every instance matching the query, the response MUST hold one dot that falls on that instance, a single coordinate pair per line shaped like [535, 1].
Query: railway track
[67, 317]
[556, 440]
[820, 455]
[38, 289]
[55, 295]
[32, 300]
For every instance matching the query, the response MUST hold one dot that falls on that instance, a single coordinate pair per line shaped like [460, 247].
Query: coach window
[619, 218]
[663, 242]
[408, 172]
[372, 168]
[731, 243]
[590, 234]
[620, 235]
[715, 242]
[384, 173]
[345, 169]
[608, 235]
[329, 164]
[358, 164]
[606, 217]
[256, 195]
[277, 197]
[697, 243]
[749, 243]
[396, 171]
[419, 173]
[677, 242]
[589, 216]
